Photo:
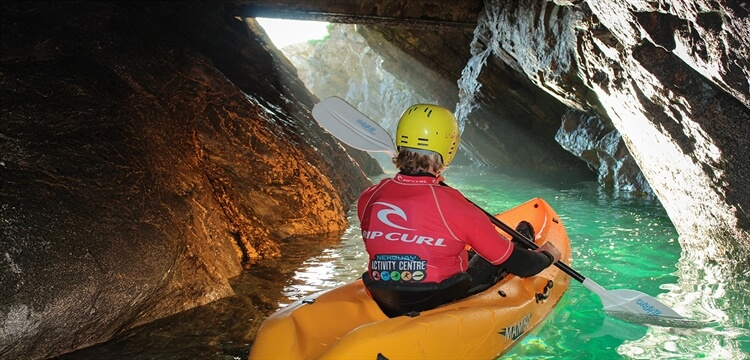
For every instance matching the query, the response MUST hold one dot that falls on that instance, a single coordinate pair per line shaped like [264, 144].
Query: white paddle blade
[352, 127]
[635, 302]
[639, 307]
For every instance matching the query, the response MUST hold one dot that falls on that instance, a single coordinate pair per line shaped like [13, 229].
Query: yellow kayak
[345, 323]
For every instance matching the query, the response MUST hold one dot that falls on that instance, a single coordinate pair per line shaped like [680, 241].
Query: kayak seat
[401, 299]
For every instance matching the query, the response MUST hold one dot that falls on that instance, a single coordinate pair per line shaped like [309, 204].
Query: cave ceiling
[461, 14]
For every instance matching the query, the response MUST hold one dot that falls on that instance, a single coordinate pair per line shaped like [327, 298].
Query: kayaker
[416, 229]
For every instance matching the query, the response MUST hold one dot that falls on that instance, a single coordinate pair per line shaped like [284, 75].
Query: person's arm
[525, 263]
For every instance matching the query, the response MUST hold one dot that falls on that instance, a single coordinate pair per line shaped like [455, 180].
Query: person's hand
[548, 247]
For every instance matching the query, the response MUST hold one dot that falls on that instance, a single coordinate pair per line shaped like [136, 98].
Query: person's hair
[409, 161]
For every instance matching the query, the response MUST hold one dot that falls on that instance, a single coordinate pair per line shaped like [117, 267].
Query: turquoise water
[620, 242]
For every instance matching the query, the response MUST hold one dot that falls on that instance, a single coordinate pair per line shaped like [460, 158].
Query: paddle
[352, 127]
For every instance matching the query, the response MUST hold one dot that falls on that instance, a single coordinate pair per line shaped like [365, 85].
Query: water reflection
[335, 266]
[713, 294]
[618, 329]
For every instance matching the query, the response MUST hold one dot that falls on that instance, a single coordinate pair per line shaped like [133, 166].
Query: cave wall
[148, 152]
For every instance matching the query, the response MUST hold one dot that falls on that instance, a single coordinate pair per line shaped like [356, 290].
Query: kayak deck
[345, 323]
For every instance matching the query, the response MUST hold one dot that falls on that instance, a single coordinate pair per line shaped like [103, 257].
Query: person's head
[426, 138]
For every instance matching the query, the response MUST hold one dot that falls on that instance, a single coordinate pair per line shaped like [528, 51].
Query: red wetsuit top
[416, 230]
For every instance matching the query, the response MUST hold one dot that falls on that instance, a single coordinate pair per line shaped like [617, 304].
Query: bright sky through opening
[286, 32]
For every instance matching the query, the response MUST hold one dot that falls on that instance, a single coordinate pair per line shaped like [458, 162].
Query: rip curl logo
[407, 235]
[392, 210]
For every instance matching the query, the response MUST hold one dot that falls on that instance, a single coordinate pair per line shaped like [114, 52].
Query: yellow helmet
[429, 127]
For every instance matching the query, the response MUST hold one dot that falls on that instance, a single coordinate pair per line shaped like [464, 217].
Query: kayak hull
[345, 323]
